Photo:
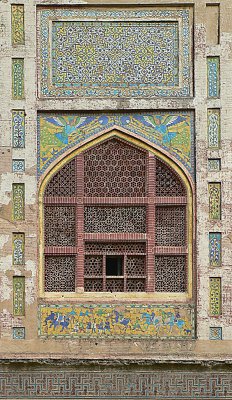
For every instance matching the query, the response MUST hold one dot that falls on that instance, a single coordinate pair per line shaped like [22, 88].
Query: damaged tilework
[117, 321]
[109, 53]
[171, 131]
[215, 249]
[17, 24]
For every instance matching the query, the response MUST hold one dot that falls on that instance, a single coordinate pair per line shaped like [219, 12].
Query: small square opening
[114, 265]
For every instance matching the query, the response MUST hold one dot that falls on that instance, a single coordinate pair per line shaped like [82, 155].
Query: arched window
[116, 219]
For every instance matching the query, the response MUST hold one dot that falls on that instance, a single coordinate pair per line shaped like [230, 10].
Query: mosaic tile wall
[215, 200]
[215, 296]
[115, 384]
[18, 128]
[115, 53]
[19, 295]
[172, 131]
[214, 249]
[17, 24]
[17, 78]
[117, 321]
[213, 65]
[18, 190]
[214, 128]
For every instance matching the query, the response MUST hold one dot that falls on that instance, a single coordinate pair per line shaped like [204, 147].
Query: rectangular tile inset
[214, 164]
[18, 248]
[213, 68]
[18, 78]
[212, 23]
[17, 24]
[19, 333]
[18, 295]
[215, 296]
[214, 128]
[18, 166]
[215, 200]
[18, 201]
[18, 129]
[215, 333]
[215, 249]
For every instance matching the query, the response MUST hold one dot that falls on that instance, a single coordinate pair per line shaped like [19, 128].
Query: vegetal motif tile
[18, 248]
[114, 53]
[215, 333]
[17, 78]
[19, 295]
[18, 201]
[18, 166]
[215, 200]
[19, 333]
[215, 249]
[213, 65]
[214, 128]
[17, 24]
[215, 296]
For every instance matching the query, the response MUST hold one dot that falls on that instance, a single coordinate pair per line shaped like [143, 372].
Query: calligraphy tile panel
[215, 296]
[18, 78]
[17, 24]
[115, 53]
[18, 248]
[18, 201]
[214, 128]
[213, 67]
[215, 200]
[215, 249]
[19, 296]
[18, 129]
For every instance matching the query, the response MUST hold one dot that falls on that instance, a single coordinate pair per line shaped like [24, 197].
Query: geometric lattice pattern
[18, 166]
[17, 78]
[115, 248]
[135, 266]
[170, 226]
[18, 128]
[170, 273]
[59, 225]
[60, 273]
[63, 183]
[19, 296]
[114, 168]
[167, 182]
[215, 296]
[93, 265]
[115, 219]
[215, 249]
[120, 384]
[214, 128]
[18, 201]
[17, 24]
[91, 50]
[214, 200]
[213, 65]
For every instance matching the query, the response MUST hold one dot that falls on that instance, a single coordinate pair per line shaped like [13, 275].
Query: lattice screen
[101, 202]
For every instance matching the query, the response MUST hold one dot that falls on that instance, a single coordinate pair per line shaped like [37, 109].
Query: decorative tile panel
[19, 333]
[171, 131]
[17, 24]
[18, 166]
[18, 128]
[213, 66]
[18, 78]
[214, 128]
[19, 295]
[117, 321]
[113, 383]
[18, 201]
[214, 164]
[115, 53]
[215, 249]
[215, 200]
[215, 296]
[215, 333]
[18, 248]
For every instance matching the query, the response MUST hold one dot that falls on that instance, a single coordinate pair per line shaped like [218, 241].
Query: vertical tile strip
[215, 200]
[213, 75]
[17, 24]
[215, 296]
[18, 128]
[215, 249]
[18, 248]
[214, 128]
[18, 201]
[17, 78]
[18, 295]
